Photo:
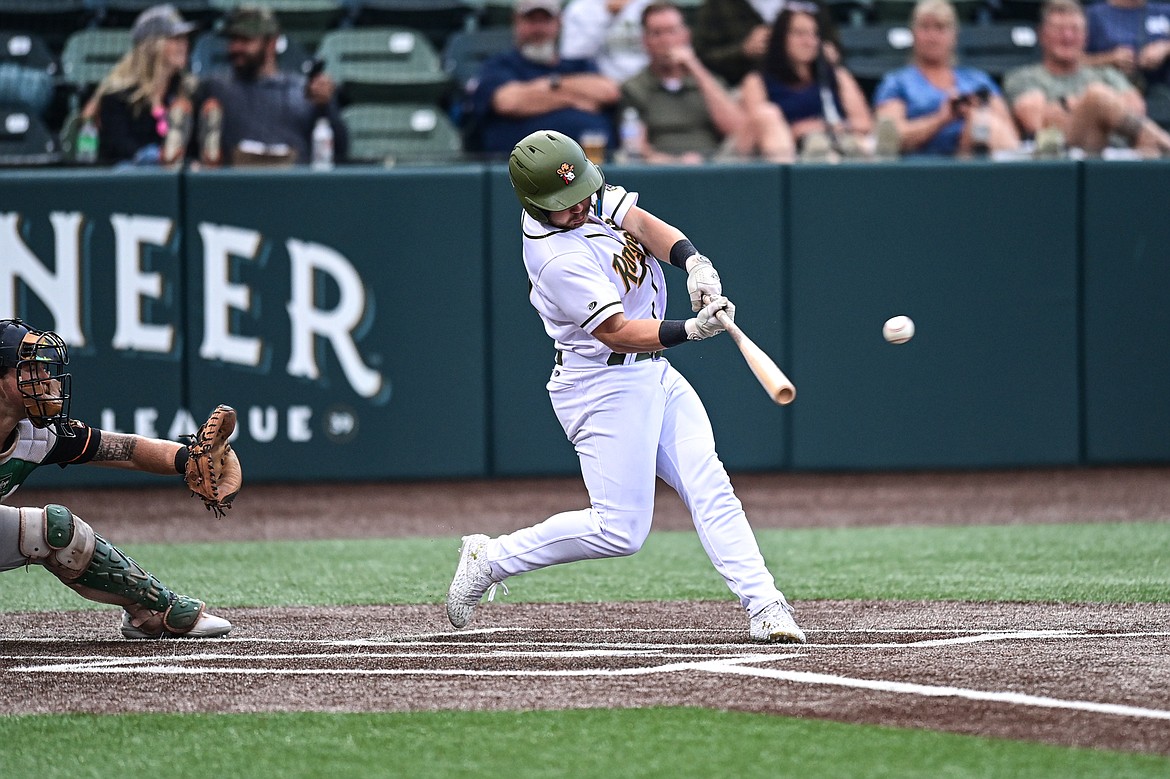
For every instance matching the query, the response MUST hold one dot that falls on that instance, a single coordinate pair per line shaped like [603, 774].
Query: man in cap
[257, 110]
[531, 87]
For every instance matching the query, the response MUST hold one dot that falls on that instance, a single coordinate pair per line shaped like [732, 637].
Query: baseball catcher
[36, 430]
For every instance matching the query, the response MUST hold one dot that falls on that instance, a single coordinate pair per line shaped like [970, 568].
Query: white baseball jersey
[630, 420]
[582, 277]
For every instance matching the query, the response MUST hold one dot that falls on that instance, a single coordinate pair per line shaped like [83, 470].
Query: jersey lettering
[630, 265]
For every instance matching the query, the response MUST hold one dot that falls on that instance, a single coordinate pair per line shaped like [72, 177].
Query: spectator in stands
[688, 113]
[1062, 100]
[798, 101]
[1134, 37]
[731, 36]
[258, 114]
[143, 106]
[607, 32]
[531, 88]
[936, 107]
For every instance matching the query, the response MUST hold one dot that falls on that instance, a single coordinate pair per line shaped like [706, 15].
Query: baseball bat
[778, 386]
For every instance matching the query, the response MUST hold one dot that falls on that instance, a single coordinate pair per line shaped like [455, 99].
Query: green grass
[584, 743]
[1108, 563]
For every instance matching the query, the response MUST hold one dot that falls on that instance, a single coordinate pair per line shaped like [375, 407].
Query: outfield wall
[374, 324]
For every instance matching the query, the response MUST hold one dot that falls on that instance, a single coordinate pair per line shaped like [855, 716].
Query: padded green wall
[984, 259]
[1127, 311]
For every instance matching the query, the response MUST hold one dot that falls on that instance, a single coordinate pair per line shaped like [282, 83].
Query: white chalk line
[743, 665]
[938, 691]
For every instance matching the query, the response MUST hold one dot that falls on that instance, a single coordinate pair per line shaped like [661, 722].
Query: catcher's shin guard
[96, 569]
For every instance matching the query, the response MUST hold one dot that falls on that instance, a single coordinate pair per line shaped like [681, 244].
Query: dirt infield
[1086, 675]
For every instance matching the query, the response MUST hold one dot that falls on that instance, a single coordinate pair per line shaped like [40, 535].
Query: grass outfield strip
[1106, 563]
[580, 743]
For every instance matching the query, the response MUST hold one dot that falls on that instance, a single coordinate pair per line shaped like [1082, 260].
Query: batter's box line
[934, 691]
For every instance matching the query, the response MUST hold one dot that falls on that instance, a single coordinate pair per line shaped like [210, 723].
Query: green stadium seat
[436, 19]
[401, 133]
[90, 54]
[28, 72]
[53, 20]
[466, 51]
[25, 141]
[384, 64]
[997, 48]
[872, 51]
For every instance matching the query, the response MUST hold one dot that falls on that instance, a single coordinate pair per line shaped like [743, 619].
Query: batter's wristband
[181, 458]
[681, 252]
[672, 332]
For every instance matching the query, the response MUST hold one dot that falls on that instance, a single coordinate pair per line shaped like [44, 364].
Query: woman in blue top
[798, 94]
[939, 108]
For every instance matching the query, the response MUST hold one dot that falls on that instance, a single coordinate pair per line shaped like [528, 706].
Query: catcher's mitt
[213, 471]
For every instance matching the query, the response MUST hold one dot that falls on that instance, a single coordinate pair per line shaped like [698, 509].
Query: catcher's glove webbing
[213, 471]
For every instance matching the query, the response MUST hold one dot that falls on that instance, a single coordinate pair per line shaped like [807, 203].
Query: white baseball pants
[630, 423]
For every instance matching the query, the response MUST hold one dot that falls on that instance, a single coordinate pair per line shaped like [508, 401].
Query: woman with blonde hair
[937, 107]
[143, 107]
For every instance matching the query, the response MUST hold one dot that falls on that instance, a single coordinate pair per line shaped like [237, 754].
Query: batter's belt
[576, 360]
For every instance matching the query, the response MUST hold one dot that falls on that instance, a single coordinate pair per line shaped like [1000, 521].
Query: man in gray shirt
[257, 113]
[1088, 107]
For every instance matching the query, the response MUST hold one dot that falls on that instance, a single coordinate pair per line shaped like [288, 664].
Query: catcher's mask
[39, 358]
[550, 172]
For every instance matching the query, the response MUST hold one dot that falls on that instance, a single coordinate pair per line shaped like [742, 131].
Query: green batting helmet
[550, 172]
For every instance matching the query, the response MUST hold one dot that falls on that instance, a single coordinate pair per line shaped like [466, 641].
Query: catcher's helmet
[39, 358]
[550, 172]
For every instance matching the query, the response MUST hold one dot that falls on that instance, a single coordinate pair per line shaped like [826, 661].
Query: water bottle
[322, 145]
[632, 133]
[86, 151]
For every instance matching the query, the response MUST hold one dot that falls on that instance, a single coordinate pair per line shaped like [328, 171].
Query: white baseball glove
[706, 324]
[702, 280]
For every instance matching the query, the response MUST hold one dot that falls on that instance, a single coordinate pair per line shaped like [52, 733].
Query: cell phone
[313, 68]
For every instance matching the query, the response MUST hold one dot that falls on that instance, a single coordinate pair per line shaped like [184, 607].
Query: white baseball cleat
[774, 624]
[473, 577]
[208, 626]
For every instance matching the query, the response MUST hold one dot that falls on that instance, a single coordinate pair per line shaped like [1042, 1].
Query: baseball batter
[35, 430]
[592, 256]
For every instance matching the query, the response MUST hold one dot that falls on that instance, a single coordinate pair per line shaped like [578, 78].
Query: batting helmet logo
[566, 173]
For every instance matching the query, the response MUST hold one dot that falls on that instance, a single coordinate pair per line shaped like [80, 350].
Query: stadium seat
[1018, 10]
[498, 13]
[122, 13]
[898, 11]
[997, 48]
[53, 20]
[872, 51]
[209, 55]
[28, 72]
[401, 133]
[436, 19]
[849, 13]
[25, 141]
[384, 64]
[466, 51]
[305, 20]
[89, 55]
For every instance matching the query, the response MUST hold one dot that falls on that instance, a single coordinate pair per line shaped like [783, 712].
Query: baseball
[898, 329]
